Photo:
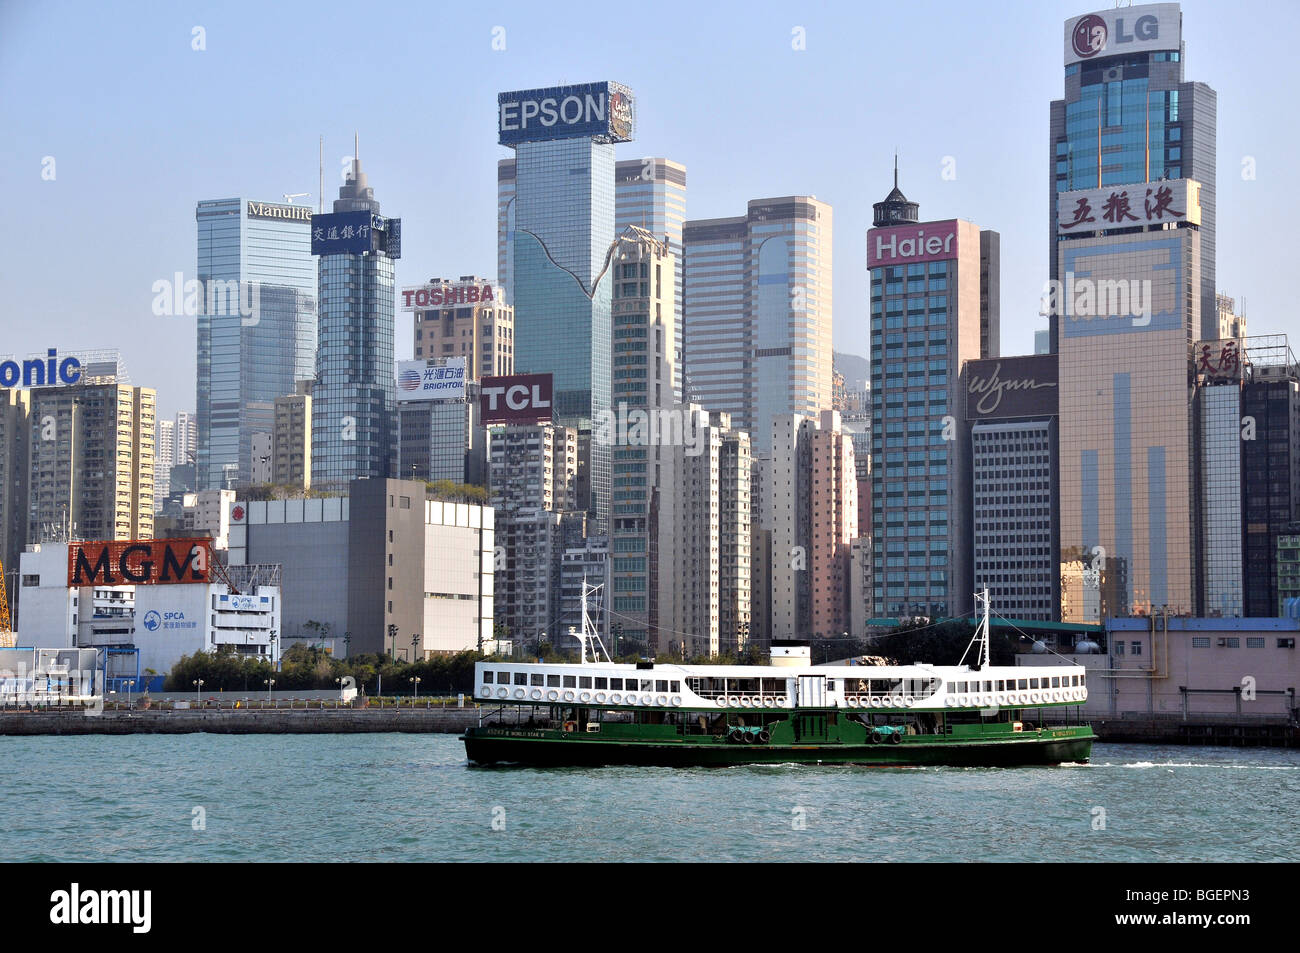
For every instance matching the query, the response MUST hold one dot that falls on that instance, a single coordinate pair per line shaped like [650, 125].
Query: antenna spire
[895, 168]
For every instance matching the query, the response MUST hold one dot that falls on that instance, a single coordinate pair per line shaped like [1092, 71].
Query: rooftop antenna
[320, 190]
[895, 168]
[590, 637]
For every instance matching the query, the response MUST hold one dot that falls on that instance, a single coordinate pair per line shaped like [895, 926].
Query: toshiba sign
[516, 399]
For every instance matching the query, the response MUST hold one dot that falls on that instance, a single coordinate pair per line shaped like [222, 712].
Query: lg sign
[519, 398]
[1154, 26]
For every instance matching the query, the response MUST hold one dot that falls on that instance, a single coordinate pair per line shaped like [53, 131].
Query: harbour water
[397, 797]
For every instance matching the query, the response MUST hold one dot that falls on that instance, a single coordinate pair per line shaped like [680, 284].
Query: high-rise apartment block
[704, 537]
[758, 309]
[291, 441]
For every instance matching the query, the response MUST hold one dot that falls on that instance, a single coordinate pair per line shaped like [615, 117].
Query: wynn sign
[1011, 387]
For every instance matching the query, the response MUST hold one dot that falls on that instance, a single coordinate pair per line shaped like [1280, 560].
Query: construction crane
[7, 637]
[289, 197]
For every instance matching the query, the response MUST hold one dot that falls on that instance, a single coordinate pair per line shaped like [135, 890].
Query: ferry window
[602, 683]
[1024, 683]
[616, 684]
[988, 686]
[661, 684]
[487, 678]
[674, 687]
[570, 681]
[537, 679]
[1002, 685]
[1056, 681]
[584, 681]
[503, 678]
[1033, 683]
[1074, 679]
[521, 678]
[552, 681]
[645, 685]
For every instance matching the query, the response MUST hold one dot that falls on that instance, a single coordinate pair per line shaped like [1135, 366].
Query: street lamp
[198, 690]
[347, 644]
[392, 634]
[415, 680]
[415, 643]
[269, 683]
[129, 683]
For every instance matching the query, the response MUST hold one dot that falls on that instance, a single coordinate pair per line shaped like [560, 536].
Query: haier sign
[601, 111]
[1152, 26]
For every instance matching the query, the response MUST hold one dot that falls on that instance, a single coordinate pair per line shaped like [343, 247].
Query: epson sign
[600, 111]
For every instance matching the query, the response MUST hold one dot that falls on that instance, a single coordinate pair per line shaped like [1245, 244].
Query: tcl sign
[519, 398]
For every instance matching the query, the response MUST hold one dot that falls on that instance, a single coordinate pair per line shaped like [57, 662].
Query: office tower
[1010, 408]
[186, 439]
[442, 439]
[353, 399]
[757, 320]
[649, 193]
[464, 318]
[644, 325]
[560, 244]
[811, 508]
[533, 476]
[256, 328]
[1129, 118]
[90, 462]
[704, 538]
[1270, 465]
[15, 406]
[291, 440]
[1125, 315]
[928, 317]
[1231, 324]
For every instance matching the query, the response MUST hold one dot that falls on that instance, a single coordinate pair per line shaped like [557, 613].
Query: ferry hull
[492, 747]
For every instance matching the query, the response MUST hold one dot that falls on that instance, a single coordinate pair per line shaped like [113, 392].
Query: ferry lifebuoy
[908, 701]
[676, 700]
[569, 696]
[584, 697]
[767, 701]
[1024, 698]
[521, 693]
[552, 695]
[782, 701]
[614, 699]
[963, 701]
[486, 691]
[887, 701]
[661, 700]
[600, 698]
[631, 699]
[744, 701]
[875, 701]
[537, 694]
[950, 701]
[503, 693]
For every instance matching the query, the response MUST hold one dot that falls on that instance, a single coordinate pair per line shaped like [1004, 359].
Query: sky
[140, 125]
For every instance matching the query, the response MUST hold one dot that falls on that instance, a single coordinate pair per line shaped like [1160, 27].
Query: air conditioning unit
[1223, 643]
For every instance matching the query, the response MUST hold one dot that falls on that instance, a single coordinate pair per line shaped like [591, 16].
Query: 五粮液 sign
[1129, 206]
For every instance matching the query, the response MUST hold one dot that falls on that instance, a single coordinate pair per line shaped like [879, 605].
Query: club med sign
[907, 244]
[139, 562]
[516, 399]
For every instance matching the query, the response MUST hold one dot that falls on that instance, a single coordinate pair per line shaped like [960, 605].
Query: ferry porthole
[677, 699]
[600, 698]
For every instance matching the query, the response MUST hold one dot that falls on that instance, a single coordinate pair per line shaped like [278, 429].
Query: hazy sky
[141, 126]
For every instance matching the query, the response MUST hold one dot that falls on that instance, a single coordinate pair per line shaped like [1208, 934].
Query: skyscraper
[757, 321]
[560, 248]
[256, 327]
[933, 308]
[1129, 117]
[353, 399]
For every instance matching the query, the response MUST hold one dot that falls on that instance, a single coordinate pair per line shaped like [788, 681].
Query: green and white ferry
[789, 711]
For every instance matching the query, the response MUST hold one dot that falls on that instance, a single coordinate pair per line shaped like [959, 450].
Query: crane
[7, 637]
[289, 197]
